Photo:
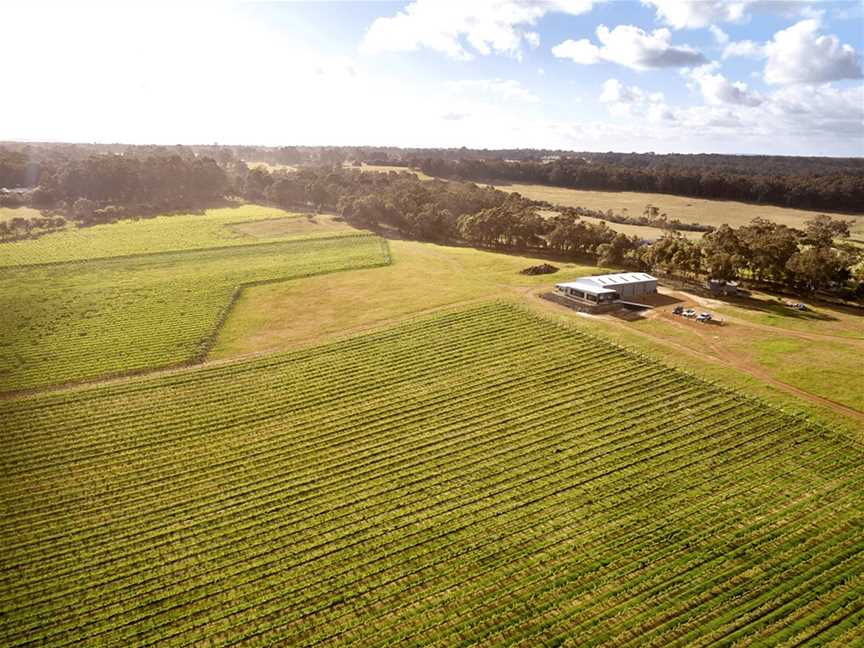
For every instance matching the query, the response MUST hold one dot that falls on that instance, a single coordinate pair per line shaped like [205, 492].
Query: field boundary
[216, 248]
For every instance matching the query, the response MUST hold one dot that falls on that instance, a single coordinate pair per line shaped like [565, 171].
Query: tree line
[463, 212]
[103, 187]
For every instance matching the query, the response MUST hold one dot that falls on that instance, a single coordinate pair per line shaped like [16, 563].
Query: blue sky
[746, 76]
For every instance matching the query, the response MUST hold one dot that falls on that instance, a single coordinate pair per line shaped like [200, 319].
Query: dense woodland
[89, 187]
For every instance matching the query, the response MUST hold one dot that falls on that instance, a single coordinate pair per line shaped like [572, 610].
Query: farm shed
[602, 289]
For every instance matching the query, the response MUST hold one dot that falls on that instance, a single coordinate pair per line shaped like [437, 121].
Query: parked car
[690, 313]
[678, 310]
[704, 317]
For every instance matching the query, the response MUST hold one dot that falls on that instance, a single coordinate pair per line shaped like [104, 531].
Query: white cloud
[720, 37]
[697, 14]
[632, 101]
[821, 109]
[495, 89]
[745, 49]
[582, 51]
[614, 92]
[632, 47]
[533, 39]
[799, 54]
[717, 90]
[462, 30]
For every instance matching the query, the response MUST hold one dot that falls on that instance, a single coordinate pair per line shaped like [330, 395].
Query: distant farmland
[482, 475]
[687, 210]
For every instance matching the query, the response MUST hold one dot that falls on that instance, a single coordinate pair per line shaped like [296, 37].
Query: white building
[603, 289]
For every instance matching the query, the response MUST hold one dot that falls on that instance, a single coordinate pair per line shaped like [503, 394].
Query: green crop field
[71, 321]
[481, 475]
[212, 228]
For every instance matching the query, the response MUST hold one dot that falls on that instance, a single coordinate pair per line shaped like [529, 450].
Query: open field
[303, 226]
[422, 277]
[8, 213]
[687, 210]
[383, 168]
[426, 277]
[823, 360]
[82, 320]
[643, 232]
[212, 228]
[456, 476]
[271, 167]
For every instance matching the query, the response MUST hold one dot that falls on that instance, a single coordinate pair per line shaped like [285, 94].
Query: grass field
[8, 213]
[481, 475]
[383, 168]
[304, 226]
[79, 320]
[687, 210]
[423, 277]
[212, 228]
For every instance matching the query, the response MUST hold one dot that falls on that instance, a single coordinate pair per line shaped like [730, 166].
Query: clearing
[8, 213]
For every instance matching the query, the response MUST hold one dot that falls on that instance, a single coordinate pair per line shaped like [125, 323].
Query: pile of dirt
[543, 268]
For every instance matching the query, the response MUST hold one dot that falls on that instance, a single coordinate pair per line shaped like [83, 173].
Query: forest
[833, 184]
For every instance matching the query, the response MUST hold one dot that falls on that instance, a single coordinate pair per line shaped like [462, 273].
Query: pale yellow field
[687, 210]
[8, 213]
[270, 167]
[647, 233]
[385, 169]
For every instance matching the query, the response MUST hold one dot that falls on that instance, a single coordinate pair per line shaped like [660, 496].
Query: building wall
[628, 291]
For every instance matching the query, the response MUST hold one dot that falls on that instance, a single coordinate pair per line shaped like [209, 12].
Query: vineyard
[212, 228]
[480, 475]
[72, 321]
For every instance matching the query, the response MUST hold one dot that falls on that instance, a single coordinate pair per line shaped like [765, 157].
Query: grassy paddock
[687, 210]
[423, 277]
[455, 476]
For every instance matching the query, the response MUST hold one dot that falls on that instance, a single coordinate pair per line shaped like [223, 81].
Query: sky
[741, 76]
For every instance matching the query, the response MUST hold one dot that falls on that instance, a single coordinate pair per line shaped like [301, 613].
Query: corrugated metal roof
[597, 284]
